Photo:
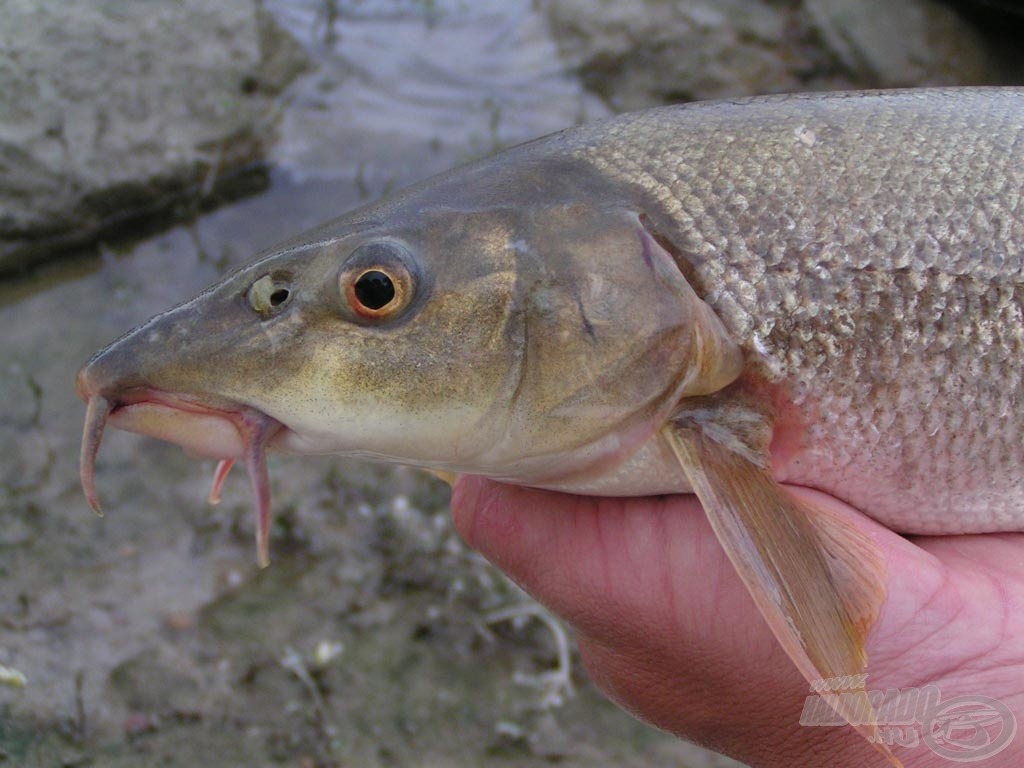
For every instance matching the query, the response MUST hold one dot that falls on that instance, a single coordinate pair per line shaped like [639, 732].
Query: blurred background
[146, 147]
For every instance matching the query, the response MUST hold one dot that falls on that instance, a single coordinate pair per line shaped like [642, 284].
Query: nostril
[268, 295]
[279, 297]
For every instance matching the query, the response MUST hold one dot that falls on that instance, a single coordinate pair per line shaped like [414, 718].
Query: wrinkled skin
[668, 631]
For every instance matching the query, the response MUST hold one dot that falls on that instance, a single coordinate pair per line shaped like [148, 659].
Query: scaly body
[867, 252]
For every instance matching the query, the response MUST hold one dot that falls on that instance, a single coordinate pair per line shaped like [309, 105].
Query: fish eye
[377, 280]
[268, 295]
[374, 289]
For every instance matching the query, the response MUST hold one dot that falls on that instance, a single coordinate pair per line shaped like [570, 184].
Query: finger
[647, 573]
[757, 724]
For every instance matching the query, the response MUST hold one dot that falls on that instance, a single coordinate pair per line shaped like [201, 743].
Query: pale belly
[937, 493]
[910, 489]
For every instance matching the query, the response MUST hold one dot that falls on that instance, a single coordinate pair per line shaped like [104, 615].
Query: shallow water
[149, 636]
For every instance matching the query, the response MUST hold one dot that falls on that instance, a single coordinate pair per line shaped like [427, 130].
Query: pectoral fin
[447, 477]
[817, 580]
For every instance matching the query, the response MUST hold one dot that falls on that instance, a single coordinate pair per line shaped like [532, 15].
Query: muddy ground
[150, 637]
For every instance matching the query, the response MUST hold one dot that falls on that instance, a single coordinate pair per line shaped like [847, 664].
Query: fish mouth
[227, 432]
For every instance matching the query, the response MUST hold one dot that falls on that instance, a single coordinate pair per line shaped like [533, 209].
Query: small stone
[12, 677]
[326, 651]
[179, 621]
[137, 723]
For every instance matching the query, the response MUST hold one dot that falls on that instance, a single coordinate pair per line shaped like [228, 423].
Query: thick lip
[207, 431]
[224, 431]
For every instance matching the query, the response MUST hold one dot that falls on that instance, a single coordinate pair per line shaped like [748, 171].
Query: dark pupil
[279, 297]
[374, 289]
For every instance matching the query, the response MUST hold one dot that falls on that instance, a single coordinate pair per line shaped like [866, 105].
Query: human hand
[668, 631]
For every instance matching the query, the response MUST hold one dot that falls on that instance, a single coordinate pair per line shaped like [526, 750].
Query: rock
[637, 53]
[21, 396]
[643, 52]
[112, 111]
[884, 44]
[29, 459]
[158, 681]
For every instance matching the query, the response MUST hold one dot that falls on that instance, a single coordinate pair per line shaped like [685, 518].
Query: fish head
[497, 323]
[353, 343]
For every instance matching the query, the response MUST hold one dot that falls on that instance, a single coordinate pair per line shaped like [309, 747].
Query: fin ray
[817, 580]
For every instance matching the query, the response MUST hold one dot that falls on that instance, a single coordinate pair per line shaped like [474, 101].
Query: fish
[717, 298]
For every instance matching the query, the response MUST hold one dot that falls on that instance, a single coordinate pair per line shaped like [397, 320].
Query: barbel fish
[716, 298]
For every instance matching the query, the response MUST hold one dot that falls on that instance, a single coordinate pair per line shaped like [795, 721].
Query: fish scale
[882, 282]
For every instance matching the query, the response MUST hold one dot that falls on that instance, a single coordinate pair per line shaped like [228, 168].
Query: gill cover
[604, 338]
